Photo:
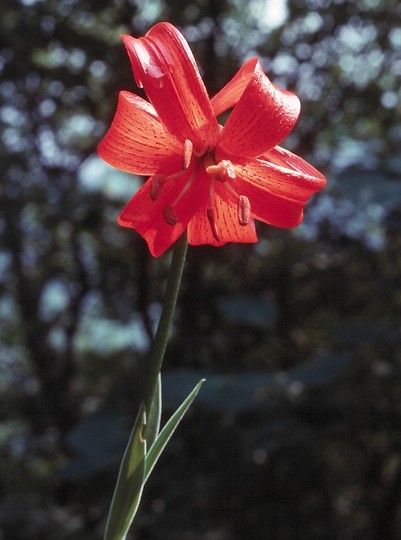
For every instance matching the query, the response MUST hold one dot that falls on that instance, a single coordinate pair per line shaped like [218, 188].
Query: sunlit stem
[155, 361]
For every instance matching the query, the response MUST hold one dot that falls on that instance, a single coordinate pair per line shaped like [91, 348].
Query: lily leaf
[153, 415]
[167, 431]
[128, 491]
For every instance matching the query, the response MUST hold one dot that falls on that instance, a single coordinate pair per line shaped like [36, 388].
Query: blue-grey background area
[296, 432]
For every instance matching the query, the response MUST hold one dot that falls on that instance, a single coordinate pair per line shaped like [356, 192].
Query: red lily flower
[211, 180]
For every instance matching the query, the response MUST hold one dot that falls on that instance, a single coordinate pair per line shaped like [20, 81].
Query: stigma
[221, 171]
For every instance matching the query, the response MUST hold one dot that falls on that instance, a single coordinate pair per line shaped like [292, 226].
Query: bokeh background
[297, 432]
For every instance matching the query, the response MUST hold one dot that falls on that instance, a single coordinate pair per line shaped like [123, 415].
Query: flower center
[222, 172]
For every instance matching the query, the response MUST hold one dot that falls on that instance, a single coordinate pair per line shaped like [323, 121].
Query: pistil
[221, 171]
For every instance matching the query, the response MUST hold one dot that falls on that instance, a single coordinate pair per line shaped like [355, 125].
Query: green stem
[155, 361]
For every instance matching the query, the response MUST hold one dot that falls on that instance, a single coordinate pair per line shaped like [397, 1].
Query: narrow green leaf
[128, 491]
[136, 465]
[153, 415]
[160, 443]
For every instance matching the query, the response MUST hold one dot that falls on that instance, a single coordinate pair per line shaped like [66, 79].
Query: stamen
[223, 170]
[244, 210]
[187, 186]
[187, 155]
[168, 211]
[213, 224]
[156, 185]
[169, 215]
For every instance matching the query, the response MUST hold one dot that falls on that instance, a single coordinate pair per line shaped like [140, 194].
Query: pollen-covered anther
[244, 210]
[187, 154]
[156, 185]
[223, 170]
[213, 224]
[169, 215]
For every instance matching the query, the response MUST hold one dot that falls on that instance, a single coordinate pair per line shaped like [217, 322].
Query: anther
[169, 215]
[213, 224]
[156, 185]
[223, 170]
[187, 154]
[244, 210]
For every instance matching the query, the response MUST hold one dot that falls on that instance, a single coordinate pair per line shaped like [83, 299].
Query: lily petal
[226, 220]
[163, 64]
[229, 95]
[263, 116]
[284, 158]
[278, 193]
[146, 215]
[137, 142]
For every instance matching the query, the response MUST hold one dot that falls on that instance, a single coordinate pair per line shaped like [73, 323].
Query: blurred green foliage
[296, 432]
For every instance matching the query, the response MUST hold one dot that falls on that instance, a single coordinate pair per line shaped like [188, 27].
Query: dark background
[296, 433]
